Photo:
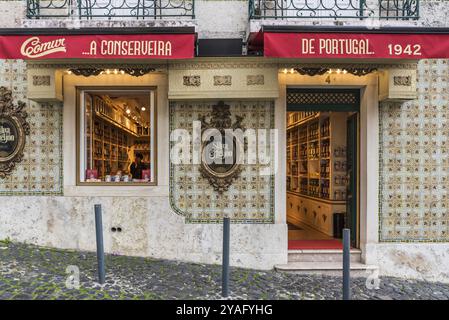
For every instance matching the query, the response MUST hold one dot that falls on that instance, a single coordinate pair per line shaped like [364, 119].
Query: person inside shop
[137, 167]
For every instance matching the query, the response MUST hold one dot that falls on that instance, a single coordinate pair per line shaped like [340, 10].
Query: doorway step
[329, 262]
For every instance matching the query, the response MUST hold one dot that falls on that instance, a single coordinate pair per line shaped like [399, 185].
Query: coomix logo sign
[137, 46]
[34, 48]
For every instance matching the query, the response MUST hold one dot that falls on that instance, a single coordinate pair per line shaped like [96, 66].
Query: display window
[116, 140]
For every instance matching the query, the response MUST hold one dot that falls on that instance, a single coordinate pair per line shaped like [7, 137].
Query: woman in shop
[137, 167]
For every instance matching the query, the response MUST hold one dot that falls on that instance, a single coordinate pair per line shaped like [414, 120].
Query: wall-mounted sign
[222, 152]
[356, 45]
[134, 46]
[13, 132]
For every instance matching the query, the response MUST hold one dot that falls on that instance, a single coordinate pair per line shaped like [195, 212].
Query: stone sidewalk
[29, 272]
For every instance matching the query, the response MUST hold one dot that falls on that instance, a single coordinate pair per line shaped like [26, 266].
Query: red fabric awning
[351, 43]
[97, 46]
[356, 46]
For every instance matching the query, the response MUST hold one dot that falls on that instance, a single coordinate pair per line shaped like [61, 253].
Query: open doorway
[322, 167]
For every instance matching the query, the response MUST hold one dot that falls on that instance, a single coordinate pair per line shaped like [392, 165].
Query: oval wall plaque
[13, 132]
[221, 155]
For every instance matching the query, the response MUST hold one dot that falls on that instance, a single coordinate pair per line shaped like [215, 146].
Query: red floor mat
[314, 244]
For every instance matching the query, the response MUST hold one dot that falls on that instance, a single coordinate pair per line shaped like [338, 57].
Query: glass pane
[117, 134]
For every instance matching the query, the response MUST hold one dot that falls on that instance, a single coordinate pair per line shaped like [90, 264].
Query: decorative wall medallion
[402, 81]
[221, 160]
[254, 80]
[222, 80]
[192, 81]
[13, 129]
[41, 80]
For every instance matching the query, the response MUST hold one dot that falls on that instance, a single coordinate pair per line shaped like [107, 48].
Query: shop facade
[175, 211]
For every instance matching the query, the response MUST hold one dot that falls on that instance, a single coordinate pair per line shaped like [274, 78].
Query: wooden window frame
[78, 90]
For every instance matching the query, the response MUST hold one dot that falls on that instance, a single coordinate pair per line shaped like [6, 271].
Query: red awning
[66, 45]
[349, 43]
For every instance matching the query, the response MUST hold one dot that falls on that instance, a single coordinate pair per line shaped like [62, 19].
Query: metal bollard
[100, 246]
[225, 270]
[346, 264]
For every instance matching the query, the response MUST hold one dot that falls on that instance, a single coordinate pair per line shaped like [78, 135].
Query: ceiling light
[128, 111]
[143, 109]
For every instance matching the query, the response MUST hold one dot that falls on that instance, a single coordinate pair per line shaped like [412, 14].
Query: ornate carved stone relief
[41, 80]
[94, 71]
[222, 80]
[13, 132]
[311, 71]
[402, 81]
[254, 80]
[192, 81]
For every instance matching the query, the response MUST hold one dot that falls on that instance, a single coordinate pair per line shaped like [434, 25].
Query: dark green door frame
[351, 220]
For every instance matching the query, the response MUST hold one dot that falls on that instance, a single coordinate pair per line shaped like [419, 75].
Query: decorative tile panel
[40, 172]
[250, 199]
[414, 161]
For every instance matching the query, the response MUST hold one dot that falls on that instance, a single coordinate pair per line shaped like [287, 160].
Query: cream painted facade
[63, 216]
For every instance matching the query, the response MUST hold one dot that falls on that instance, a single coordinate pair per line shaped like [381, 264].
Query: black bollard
[100, 247]
[346, 264]
[225, 270]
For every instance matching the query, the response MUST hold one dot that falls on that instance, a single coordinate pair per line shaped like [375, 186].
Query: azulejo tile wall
[40, 172]
[414, 161]
[250, 199]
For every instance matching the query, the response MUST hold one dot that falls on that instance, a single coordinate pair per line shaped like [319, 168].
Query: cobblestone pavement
[29, 272]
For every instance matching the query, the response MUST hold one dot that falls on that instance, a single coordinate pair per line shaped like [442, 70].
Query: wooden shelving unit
[316, 167]
[111, 146]
[113, 137]
[316, 155]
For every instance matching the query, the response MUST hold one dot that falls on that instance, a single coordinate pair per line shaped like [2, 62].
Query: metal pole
[100, 247]
[346, 264]
[225, 271]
